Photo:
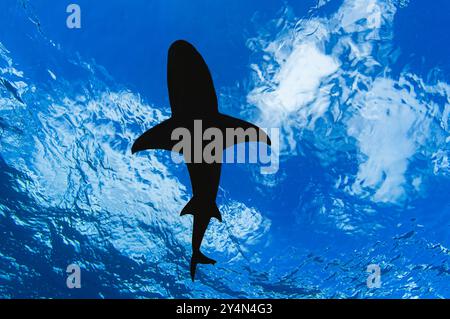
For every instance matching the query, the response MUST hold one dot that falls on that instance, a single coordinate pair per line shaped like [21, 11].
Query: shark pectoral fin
[251, 132]
[196, 206]
[158, 137]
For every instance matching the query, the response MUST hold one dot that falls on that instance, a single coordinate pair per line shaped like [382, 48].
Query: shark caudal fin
[158, 137]
[197, 206]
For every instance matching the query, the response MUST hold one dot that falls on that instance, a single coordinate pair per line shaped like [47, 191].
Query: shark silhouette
[192, 97]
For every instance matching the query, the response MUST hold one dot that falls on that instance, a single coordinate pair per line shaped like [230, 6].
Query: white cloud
[296, 82]
[388, 126]
[335, 68]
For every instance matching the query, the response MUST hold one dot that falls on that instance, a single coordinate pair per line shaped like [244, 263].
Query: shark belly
[205, 180]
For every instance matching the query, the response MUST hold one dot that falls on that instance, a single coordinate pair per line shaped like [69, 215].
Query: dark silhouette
[12, 89]
[192, 97]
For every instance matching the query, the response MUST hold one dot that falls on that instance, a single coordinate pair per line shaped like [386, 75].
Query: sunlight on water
[363, 171]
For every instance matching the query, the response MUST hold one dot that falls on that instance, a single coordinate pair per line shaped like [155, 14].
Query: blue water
[358, 88]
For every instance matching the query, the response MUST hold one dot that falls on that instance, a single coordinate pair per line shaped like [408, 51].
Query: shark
[193, 98]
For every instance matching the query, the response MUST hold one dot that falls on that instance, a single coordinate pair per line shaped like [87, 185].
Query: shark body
[193, 97]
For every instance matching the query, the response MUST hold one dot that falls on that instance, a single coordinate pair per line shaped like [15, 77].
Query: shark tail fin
[197, 206]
